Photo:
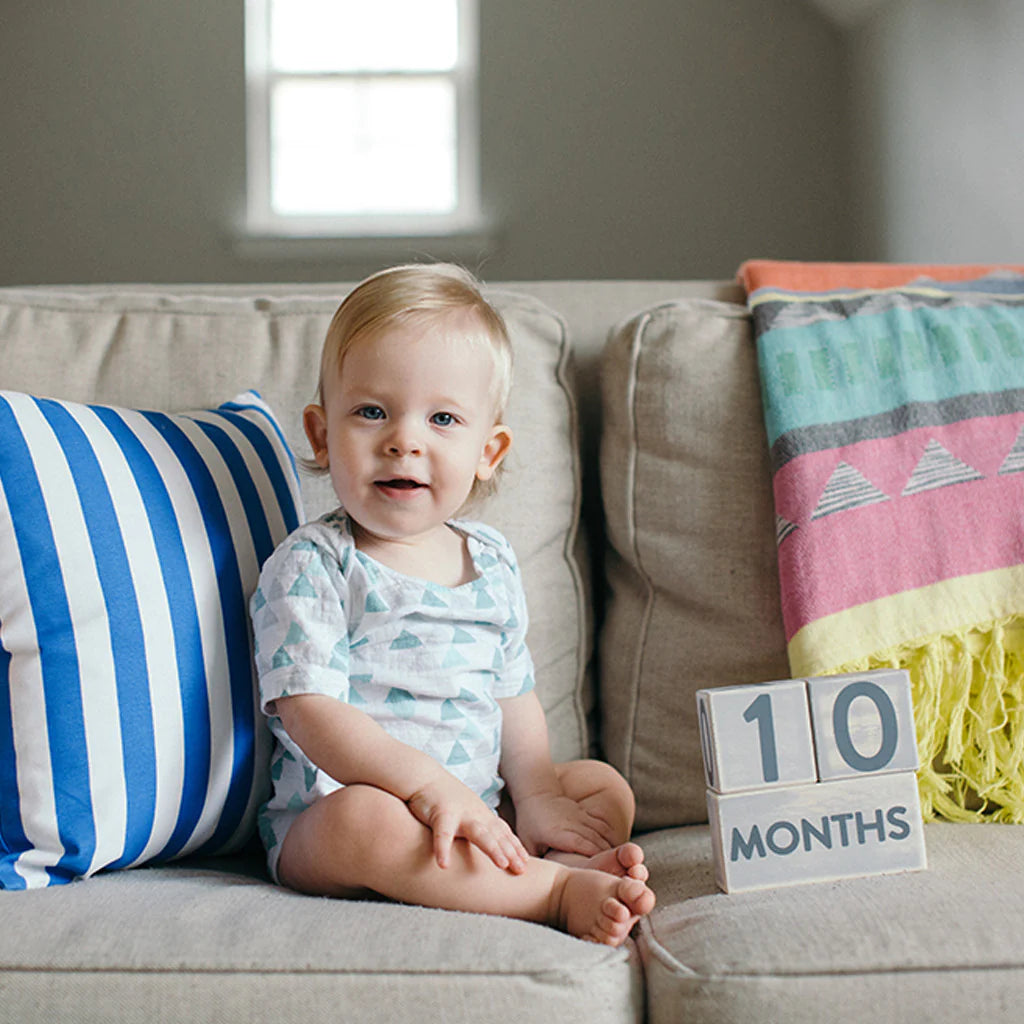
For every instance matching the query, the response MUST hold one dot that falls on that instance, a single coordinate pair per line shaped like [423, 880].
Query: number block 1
[756, 736]
[811, 779]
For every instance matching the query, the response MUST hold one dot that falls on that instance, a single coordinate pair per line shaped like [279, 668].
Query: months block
[819, 832]
[756, 736]
[811, 779]
[863, 723]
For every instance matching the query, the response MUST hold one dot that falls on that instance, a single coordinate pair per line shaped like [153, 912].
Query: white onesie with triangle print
[427, 662]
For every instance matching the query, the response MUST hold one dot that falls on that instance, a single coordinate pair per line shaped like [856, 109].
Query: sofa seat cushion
[214, 941]
[938, 945]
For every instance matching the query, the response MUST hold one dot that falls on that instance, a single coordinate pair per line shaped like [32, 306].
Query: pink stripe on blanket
[928, 505]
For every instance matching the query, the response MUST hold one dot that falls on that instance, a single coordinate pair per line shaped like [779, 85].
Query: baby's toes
[629, 855]
[639, 872]
[635, 895]
[614, 923]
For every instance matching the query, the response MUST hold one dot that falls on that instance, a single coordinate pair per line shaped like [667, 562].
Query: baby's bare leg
[599, 788]
[362, 838]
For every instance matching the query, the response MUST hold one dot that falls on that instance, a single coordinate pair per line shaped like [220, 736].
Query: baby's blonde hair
[419, 294]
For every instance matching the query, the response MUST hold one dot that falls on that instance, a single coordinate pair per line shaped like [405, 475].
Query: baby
[412, 755]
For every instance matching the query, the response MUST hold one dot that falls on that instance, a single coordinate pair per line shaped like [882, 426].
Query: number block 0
[811, 779]
[863, 722]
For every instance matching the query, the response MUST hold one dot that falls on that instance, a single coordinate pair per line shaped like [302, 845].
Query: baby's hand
[553, 821]
[452, 810]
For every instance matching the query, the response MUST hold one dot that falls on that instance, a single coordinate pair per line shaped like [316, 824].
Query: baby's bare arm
[352, 748]
[526, 764]
[546, 816]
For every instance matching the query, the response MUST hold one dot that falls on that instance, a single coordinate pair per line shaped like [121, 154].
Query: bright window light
[383, 35]
[366, 147]
[362, 116]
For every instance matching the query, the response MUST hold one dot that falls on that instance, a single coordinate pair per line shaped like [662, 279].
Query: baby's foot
[626, 861]
[601, 907]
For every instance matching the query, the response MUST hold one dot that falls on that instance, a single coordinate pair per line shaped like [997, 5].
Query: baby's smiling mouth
[400, 484]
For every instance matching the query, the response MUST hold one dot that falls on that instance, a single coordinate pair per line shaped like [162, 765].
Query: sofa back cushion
[184, 347]
[691, 565]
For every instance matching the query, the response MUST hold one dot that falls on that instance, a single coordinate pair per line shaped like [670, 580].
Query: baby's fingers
[518, 855]
[581, 836]
[443, 828]
[502, 846]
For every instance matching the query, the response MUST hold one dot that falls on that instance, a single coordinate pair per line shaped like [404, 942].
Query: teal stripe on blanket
[832, 371]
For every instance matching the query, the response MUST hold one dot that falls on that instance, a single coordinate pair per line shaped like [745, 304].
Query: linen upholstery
[691, 554]
[212, 941]
[942, 945]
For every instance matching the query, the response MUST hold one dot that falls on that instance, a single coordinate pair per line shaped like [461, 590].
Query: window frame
[261, 221]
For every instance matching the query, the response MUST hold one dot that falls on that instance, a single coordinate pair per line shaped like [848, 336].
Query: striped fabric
[129, 545]
[894, 406]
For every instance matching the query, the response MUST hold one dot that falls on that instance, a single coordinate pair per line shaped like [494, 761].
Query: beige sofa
[638, 501]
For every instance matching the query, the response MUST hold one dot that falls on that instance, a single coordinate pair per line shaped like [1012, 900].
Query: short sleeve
[517, 674]
[300, 624]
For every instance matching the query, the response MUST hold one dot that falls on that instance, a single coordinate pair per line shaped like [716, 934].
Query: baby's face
[407, 426]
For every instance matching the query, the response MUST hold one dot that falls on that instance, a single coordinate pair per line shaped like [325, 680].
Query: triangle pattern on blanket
[1014, 461]
[783, 528]
[938, 467]
[847, 488]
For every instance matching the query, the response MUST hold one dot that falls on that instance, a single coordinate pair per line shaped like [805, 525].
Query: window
[361, 117]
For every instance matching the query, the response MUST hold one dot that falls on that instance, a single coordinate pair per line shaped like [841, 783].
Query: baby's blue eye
[443, 419]
[371, 412]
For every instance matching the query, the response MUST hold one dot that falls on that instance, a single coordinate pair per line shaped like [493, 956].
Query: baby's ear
[496, 448]
[314, 419]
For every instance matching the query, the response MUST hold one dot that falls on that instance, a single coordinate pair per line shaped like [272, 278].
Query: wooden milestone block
[863, 723]
[756, 736]
[867, 825]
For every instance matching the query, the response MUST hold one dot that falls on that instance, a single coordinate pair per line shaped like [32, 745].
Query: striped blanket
[894, 407]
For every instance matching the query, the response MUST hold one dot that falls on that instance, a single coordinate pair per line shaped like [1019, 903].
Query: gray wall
[939, 88]
[654, 138]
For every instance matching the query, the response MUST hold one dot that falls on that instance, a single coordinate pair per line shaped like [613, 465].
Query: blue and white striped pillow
[129, 545]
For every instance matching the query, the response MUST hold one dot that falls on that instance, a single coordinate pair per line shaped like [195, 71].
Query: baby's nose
[404, 440]
[402, 448]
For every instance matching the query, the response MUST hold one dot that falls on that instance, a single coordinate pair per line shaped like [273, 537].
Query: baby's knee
[357, 816]
[373, 808]
[589, 780]
[332, 847]
[617, 788]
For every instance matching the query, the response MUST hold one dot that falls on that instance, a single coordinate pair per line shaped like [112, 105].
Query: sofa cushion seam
[538, 975]
[572, 534]
[723, 976]
[636, 347]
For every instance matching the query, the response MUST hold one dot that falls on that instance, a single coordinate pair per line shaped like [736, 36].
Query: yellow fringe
[968, 691]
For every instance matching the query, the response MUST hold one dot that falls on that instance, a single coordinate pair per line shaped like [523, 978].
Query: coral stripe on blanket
[894, 411]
